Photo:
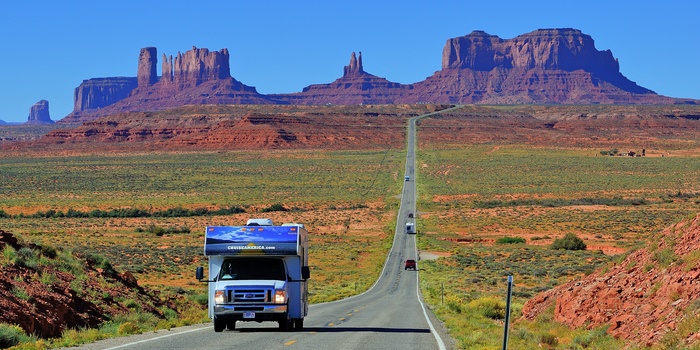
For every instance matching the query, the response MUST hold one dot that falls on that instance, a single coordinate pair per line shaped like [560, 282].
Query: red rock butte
[546, 66]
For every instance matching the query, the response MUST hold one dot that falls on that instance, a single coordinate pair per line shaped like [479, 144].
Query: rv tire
[219, 325]
[284, 324]
[298, 324]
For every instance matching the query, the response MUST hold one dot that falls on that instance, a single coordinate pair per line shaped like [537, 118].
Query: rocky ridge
[652, 293]
[46, 298]
[227, 127]
[545, 66]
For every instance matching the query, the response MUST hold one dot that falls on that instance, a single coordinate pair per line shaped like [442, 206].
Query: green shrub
[200, 298]
[11, 335]
[9, 254]
[489, 307]
[510, 240]
[569, 242]
[274, 207]
[549, 339]
[49, 251]
[128, 328]
[27, 257]
[20, 293]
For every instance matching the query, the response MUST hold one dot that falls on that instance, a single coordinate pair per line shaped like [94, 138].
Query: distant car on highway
[410, 264]
[406, 178]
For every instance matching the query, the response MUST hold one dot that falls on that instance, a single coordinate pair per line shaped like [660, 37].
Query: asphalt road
[390, 315]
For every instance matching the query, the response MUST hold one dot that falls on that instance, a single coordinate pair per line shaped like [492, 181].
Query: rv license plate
[249, 314]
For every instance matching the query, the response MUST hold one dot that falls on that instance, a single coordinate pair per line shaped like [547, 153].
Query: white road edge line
[157, 338]
[441, 344]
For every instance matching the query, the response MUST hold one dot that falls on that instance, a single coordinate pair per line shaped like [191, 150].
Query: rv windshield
[253, 269]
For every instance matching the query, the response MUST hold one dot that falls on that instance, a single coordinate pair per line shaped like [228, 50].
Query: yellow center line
[290, 342]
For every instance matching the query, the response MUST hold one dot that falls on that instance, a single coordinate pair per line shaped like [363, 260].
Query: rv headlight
[280, 296]
[219, 297]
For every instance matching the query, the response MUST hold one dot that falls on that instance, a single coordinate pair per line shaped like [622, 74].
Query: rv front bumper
[250, 312]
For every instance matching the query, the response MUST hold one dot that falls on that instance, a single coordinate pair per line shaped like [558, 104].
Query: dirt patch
[425, 255]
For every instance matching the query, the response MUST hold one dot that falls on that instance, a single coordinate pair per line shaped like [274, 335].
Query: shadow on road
[339, 330]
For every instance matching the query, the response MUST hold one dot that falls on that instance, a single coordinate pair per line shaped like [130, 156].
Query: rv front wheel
[298, 324]
[285, 324]
[219, 325]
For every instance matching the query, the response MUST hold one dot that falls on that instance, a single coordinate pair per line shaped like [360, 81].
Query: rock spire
[355, 66]
[148, 60]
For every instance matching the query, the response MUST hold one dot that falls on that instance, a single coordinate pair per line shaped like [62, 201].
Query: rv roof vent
[259, 222]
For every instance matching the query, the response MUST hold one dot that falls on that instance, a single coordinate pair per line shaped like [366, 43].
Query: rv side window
[253, 269]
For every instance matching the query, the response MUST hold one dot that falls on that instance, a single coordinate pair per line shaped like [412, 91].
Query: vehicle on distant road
[410, 264]
[410, 228]
[406, 178]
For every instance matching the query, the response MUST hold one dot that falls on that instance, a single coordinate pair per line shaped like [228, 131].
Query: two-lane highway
[390, 315]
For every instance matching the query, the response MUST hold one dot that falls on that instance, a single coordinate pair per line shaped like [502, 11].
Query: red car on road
[410, 264]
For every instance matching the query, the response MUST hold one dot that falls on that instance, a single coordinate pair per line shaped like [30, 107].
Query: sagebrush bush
[510, 240]
[569, 242]
[27, 257]
[489, 307]
[11, 335]
[128, 328]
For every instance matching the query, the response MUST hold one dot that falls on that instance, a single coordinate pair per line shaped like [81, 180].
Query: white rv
[257, 272]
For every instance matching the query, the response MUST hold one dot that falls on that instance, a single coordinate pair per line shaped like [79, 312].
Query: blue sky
[50, 47]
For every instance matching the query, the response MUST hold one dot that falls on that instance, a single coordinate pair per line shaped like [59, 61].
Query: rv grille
[249, 295]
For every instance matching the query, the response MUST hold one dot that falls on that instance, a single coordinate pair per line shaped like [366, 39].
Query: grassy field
[472, 195]
[346, 197]
[469, 196]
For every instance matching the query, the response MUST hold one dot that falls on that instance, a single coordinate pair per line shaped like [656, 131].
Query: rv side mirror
[305, 273]
[200, 273]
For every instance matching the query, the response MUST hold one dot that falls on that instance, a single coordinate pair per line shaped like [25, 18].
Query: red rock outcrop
[198, 76]
[650, 293]
[548, 49]
[96, 93]
[47, 309]
[215, 127]
[39, 113]
[355, 87]
[195, 67]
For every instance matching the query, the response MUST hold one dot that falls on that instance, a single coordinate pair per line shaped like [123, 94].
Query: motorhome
[257, 272]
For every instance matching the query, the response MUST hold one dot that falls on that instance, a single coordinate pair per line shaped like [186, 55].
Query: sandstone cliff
[565, 49]
[196, 66]
[560, 66]
[39, 113]
[198, 76]
[96, 93]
